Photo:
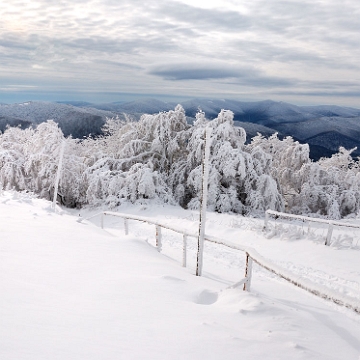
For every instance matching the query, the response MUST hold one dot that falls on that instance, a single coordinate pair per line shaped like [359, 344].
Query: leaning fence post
[184, 250]
[266, 220]
[158, 237]
[102, 220]
[329, 234]
[126, 226]
[248, 272]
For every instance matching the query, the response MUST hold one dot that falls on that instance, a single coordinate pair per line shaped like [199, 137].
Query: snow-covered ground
[69, 290]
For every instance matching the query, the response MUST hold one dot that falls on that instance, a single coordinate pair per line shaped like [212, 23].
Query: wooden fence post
[158, 237]
[184, 250]
[329, 234]
[266, 220]
[126, 226]
[248, 273]
[203, 202]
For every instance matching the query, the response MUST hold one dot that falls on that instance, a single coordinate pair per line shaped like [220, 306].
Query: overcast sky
[304, 52]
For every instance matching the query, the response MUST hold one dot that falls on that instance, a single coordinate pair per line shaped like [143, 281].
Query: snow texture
[73, 291]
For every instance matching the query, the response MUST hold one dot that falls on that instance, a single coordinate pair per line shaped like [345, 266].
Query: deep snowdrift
[70, 290]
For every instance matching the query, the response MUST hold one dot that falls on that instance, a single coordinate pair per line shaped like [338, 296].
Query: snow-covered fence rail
[318, 290]
[251, 256]
[315, 289]
[330, 223]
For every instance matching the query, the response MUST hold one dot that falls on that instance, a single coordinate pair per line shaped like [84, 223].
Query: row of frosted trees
[159, 157]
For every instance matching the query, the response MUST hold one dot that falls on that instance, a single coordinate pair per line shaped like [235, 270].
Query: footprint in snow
[206, 297]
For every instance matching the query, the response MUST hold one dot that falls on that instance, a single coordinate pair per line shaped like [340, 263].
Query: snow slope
[70, 290]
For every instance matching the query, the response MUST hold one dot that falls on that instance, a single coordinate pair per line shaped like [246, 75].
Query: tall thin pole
[203, 202]
[58, 174]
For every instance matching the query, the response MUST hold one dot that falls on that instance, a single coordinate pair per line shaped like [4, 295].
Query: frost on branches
[137, 160]
[29, 161]
[159, 159]
[236, 179]
[328, 188]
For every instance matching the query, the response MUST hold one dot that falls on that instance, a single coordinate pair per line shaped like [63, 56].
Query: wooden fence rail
[330, 223]
[251, 256]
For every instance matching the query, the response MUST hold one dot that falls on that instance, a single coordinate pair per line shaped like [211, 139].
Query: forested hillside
[75, 121]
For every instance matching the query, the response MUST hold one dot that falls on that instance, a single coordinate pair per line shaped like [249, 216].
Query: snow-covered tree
[237, 181]
[12, 157]
[160, 158]
[286, 159]
[42, 157]
[330, 187]
[151, 146]
[29, 161]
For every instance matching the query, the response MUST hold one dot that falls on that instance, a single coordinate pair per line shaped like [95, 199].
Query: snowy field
[71, 290]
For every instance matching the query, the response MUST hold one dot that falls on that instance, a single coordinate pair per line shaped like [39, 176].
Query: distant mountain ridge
[324, 127]
[73, 120]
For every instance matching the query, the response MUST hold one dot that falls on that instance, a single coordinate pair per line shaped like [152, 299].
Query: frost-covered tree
[237, 181]
[160, 158]
[73, 181]
[29, 161]
[137, 185]
[156, 139]
[151, 146]
[286, 159]
[330, 187]
[12, 157]
[42, 157]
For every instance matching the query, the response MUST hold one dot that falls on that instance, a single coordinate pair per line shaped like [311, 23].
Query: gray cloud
[275, 47]
[119, 64]
[180, 72]
[112, 46]
[206, 18]
[235, 76]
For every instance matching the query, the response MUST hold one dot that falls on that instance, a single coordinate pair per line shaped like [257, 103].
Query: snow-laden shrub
[137, 185]
[141, 183]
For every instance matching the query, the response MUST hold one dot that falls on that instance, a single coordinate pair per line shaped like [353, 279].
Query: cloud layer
[299, 51]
